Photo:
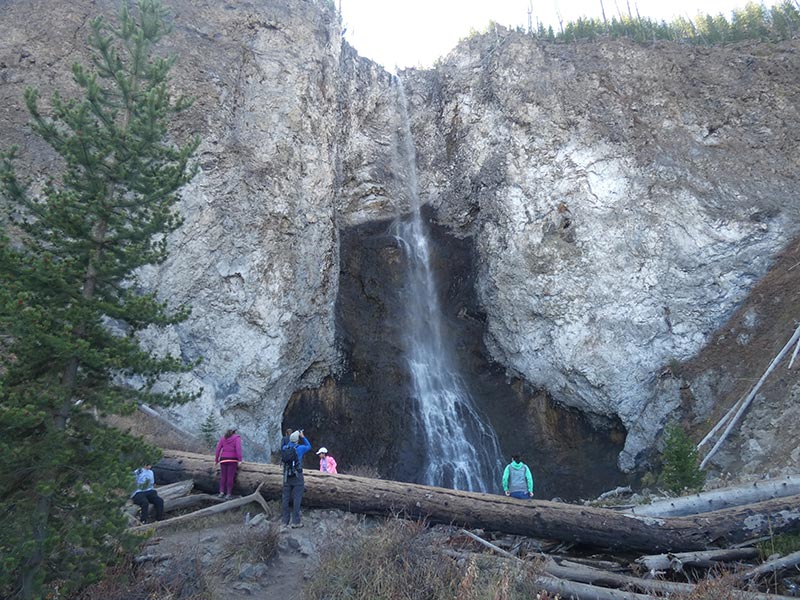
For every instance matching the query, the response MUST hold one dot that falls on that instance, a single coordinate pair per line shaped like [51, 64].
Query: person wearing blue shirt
[145, 494]
[293, 483]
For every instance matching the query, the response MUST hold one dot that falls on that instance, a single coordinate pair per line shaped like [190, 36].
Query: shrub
[783, 544]
[400, 559]
[209, 429]
[254, 544]
[680, 462]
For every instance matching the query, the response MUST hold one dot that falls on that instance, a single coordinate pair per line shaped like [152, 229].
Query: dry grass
[364, 471]
[253, 544]
[719, 585]
[404, 559]
[184, 580]
[158, 432]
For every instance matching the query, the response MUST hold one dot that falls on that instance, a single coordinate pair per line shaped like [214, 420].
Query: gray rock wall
[257, 256]
[623, 199]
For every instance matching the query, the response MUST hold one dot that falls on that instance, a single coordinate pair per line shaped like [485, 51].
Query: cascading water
[463, 451]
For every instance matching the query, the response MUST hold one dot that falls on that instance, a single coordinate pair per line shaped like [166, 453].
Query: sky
[414, 33]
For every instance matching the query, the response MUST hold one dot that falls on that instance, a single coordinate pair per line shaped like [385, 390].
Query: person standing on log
[228, 456]
[327, 464]
[517, 479]
[293, 482]
[145, 493]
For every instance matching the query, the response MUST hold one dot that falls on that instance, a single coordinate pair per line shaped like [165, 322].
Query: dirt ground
[238, 556]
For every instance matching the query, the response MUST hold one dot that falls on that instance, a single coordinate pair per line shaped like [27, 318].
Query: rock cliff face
[257, 255]
[623, 200]
[601, 211]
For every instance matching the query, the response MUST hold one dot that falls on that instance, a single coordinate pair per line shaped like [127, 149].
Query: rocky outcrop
[257, 256]
[623, 199]
[601, 209]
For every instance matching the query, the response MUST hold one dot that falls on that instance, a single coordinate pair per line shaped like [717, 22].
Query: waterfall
[462, 450]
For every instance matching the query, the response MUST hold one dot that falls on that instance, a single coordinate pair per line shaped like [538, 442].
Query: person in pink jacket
[326, 463]
[228, 456]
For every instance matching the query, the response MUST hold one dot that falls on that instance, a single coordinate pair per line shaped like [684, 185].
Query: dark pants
[145, 499]
[292, 489]
[227, 473]
[520, 495]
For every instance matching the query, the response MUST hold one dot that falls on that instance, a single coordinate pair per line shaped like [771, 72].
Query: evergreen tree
[70, 308]
[208, 430]
[680, 461]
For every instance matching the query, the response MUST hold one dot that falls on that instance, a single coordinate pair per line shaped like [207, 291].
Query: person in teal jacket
[517, 479]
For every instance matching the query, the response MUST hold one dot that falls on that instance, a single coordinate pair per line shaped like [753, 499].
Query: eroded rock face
[617, 203]
[623, 200]
[256, 257]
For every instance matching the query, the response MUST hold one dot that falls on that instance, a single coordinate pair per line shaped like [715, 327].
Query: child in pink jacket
[326, 463]
[228, 456]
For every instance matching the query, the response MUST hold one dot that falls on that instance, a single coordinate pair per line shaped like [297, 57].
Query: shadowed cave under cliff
[364, 415]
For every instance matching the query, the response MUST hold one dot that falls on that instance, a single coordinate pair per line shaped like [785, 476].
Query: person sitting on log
[145, 493]
[517, 479]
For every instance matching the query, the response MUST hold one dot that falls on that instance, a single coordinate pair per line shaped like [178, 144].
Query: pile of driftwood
[680, 535]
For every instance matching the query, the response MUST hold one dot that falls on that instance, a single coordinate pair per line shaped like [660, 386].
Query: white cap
[322, 450]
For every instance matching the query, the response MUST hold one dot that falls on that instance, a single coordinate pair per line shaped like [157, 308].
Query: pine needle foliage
[752, 22]
[680, 462]
[71, 309]
[209, 429]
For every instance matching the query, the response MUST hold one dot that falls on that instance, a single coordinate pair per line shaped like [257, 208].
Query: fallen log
[168, 493]
[178, 489]
[757, 491]
[768, 568]
[205, 512]
[705, 559]
[190, 501]
[743, 404]
[572, 580]
[580, 525]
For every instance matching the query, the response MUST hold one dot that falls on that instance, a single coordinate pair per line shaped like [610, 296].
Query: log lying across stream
[596, 527]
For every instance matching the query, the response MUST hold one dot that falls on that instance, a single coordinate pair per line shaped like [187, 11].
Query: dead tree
[581, 525]
[703, 502]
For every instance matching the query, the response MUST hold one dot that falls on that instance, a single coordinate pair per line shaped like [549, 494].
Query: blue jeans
[292, 489]
[520, 495]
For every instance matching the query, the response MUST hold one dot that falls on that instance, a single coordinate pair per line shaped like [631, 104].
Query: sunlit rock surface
[619, 203]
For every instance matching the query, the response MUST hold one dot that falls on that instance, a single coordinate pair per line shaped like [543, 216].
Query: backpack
[291, 464]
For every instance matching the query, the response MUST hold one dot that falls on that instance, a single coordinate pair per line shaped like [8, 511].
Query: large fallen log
[581, 525]
[704, 559]
[599, 580]
[790, 561]
[206, 512]
[703, 502]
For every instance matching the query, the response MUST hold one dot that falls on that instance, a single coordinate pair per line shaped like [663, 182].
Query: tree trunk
[704, 559]
[704, 502]
[581, 525]
[255, 496]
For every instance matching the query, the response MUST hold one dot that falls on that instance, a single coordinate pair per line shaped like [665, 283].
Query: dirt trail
[222, 557]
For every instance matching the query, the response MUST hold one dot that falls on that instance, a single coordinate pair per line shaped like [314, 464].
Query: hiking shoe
[220, 495]
[228, 497]
[296, 525]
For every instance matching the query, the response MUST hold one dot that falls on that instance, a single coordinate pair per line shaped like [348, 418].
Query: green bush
[209, 430]
[680, 462]
[783, 544]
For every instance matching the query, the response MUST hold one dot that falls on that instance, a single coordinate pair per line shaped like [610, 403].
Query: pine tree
[680, 461]
[208, 430]
[71, 309]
